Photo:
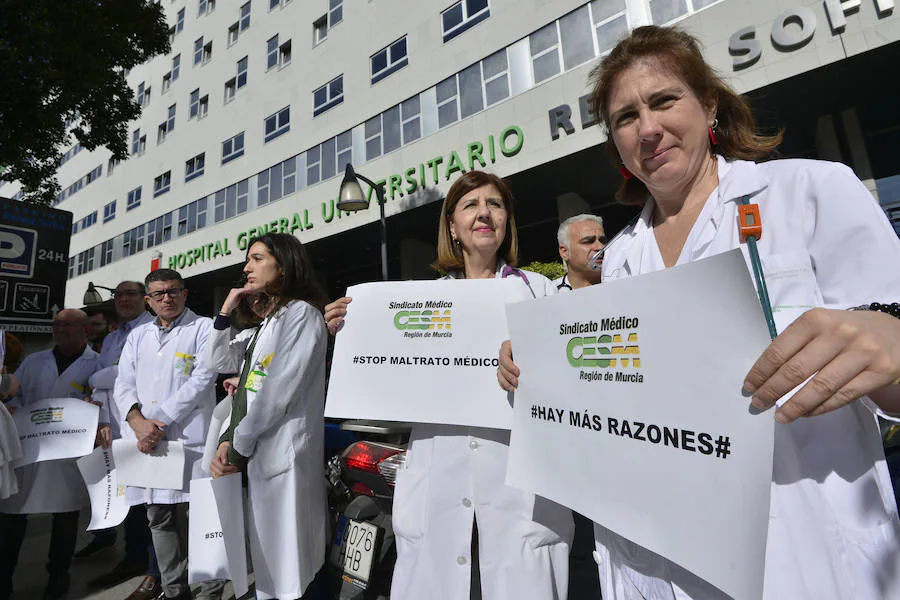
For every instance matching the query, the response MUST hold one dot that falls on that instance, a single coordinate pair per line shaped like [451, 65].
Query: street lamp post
[352, 199]
[92, 296]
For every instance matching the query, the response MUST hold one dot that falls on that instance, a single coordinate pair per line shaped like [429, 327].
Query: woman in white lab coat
[679, 134]
[276, 427]
[461, 532]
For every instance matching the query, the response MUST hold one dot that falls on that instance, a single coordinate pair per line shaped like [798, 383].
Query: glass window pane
[373, 148]
[410, 107]
[231, 201]
[411, 131]
[343, 159]
[609, 34]
[575, 29]
[470, 96]
[543, 38]
[496, 90]
[313, 155]
[452, 17]
[344, 141]
[473, 6]
[546, 66]
[312, 174]
[379, 62]
[320, 96]
[391, 132]
[289, 169]
[328, 159]
[495, 63]
[664, 11]
[604, 9]
[242, 196]
[447, 114]
[336, 87]
[373, 126]
[398, 50]
[275, 185]
[446, 89]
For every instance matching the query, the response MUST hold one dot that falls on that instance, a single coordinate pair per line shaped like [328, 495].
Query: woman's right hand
[220, 465]
[335, 313]
[234, 298]
[507, 373]
[231, 385]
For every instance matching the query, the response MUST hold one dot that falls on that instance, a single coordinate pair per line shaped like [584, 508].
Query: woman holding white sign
[459, 529]
[276, 427]
[684, 142]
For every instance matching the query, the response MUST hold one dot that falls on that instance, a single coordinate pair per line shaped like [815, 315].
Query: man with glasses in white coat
[164, 392]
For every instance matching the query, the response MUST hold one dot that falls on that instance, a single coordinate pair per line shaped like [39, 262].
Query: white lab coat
[54, 485]
[455, 474]
[283, 436]
[163, 373]
[833, 530]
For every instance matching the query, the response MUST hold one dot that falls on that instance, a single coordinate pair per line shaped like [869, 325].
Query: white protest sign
[55, 428]
[162, 469]
[423, 351]
[108, 505]
[216, 542]
[630, 411]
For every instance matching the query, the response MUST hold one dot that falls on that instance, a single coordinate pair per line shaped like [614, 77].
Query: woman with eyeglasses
[275, 430]
[461, 532]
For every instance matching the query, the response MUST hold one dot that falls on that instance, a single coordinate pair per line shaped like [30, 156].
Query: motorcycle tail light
[388, 467]
[365, 456]
[361, 488]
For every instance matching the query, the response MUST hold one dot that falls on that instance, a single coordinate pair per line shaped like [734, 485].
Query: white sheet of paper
[163, 469]
[55, 428]
[690, 477]
[108, 505]
[423, 351]
[216, 543]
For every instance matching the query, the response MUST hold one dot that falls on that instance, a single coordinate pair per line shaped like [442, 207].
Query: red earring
[626, 174]
[712, 133]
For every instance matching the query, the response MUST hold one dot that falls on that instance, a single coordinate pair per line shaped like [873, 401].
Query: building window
[109, 212]
[277, 124]
[242, 73]
[328, 96]
[111, 164]
[495, 72]
[335, 12]
[320, 29]
[166, 127]
[577, 39]
[133, 241]
[233, 34]
[666, 11]
[545, 57]
[194, 167]
[230, 89]
[204, 7]
[329, 158]
[389, 59]
[411, 123]
[207, 52]
[271, 52]
[610, 23]
[231, 201]
[233, 148]
[284, 54]
[194, 106]
[162, 184]
[106, 249]
[383, 133]
[138, 142]
[176, 66]
[463, 15]
[198, 51]
[134, 198]
[447, 101]
[245, 17]
[179, 25]
[159, 230]
[166, 82]
[143, 94]
[192, 217]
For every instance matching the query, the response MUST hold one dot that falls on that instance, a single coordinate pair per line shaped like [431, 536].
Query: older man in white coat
[52, 486]
[579, 237]
[164, 391]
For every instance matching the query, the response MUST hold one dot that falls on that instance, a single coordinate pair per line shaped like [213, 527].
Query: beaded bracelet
[892, 309]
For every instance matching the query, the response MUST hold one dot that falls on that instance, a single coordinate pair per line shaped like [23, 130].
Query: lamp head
[91, 296]
[351, 198]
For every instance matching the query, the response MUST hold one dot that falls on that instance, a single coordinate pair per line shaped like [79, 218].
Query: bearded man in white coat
[164, 392]
[54, 486]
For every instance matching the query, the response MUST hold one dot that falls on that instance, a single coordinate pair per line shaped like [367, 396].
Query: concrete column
[859, 154]
[827, 146]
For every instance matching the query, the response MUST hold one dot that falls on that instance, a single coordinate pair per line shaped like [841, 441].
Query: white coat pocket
[411, 501]
[791, 281]
[184, 364]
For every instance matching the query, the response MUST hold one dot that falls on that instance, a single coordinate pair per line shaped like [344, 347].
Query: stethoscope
[750, 229]
[565, 283]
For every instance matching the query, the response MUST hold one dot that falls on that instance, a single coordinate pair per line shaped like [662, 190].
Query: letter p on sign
[18, 247]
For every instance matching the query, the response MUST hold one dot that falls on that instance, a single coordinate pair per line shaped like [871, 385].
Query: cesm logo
[18, 247]
[432, 318]
[612, 349]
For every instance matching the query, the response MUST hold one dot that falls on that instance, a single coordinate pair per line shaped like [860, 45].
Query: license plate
[353, 550]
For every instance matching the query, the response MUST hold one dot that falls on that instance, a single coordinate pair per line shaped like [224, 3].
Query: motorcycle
[361, 480]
